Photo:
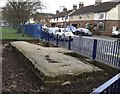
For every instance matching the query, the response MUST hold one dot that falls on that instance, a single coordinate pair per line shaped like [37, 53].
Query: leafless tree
[19, 11]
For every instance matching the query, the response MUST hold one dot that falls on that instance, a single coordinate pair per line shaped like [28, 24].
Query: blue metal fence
[81, 45]
[110, 87]
[107, 52]
[34, 30]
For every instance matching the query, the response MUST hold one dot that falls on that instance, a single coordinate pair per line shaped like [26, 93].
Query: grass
[11, 33]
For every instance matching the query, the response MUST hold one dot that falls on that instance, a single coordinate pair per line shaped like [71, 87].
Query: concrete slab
[51, 61]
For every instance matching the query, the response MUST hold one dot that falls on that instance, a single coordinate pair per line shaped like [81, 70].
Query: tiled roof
[84, 10]
[102, 7]
[62, 14]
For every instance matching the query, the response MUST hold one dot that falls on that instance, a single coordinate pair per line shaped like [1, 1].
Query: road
[106, 38]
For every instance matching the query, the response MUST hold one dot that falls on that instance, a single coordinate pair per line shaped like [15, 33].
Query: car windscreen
[67, 30]
[72, 28]
[59, 30]
[51, 30]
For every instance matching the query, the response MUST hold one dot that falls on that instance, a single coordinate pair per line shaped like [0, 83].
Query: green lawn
[10, 33]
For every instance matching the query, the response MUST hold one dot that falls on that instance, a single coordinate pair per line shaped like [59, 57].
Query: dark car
[72, 28]
[83, 32]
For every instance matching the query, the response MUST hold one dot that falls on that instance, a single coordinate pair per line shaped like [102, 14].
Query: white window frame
[101, 16]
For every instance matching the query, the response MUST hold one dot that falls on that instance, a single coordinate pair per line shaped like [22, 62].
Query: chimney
[97, 2]
[81, 5]
[64, 9]
[74, 7]
[57, 11]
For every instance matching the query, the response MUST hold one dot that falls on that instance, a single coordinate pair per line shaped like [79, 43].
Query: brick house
[43, 18]
[102, 16]
[82, 16]
[107, 16]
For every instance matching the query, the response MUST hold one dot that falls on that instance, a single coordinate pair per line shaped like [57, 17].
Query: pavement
[104, 38]
[52, 62]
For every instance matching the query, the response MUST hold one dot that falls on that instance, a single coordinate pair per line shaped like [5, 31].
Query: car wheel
[60, 38]
[119, 36]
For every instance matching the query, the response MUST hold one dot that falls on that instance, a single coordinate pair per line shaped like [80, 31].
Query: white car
[56, 28]
[116, 33]
[51, 30]
[63, 33]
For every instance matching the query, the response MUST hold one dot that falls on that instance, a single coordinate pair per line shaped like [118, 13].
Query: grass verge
[11, 33]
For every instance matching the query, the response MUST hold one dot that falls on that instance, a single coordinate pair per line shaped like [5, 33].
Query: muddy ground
[17, 78]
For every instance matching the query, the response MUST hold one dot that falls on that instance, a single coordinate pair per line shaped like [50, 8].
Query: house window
[101, 16]
[80, 17]
[66, 17]
[101, 26]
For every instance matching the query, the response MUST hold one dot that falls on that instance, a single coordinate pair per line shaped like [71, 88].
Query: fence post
[48, 36]
[94, 49]
[69, 44]
[118, 42]
[41, 34]
[57, 40]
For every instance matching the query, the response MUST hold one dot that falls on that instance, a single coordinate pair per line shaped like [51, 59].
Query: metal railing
[107, 52]
[110, 87]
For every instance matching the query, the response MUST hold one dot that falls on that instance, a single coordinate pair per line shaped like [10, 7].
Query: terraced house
[62, 19]
[43, 18]
[101, 18]
[82, 16]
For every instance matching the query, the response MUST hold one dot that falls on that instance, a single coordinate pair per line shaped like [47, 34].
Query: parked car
[44, 28]
[4, 24]
[72, 28]
[56, 28]
[116, 33]
[83, 32]
[64, 33]
[51, 30]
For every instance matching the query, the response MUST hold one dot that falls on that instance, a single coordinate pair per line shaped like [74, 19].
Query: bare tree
[18, 12]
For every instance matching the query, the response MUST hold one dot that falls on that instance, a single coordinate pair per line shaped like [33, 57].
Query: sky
[53, 5]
